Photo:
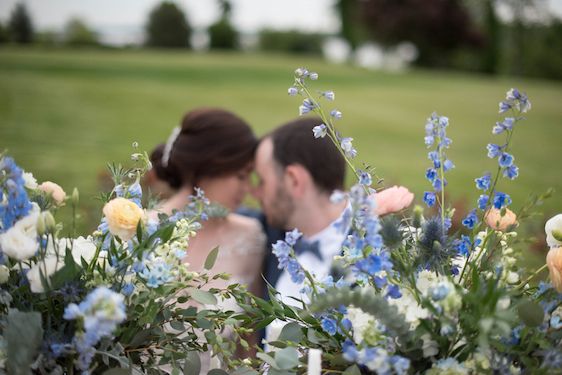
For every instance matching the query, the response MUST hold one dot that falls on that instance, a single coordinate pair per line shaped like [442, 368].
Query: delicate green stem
[526, 281]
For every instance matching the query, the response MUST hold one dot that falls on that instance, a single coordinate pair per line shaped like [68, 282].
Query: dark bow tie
[303, 246]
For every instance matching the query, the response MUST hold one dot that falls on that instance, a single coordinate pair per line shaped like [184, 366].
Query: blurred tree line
[454, 34]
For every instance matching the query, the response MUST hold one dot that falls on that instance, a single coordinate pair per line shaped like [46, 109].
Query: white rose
[46, 268]
[29, 181]
[553, 229]
[20, 241]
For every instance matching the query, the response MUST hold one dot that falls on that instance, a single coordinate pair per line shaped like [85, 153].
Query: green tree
[222, 34]
[77, 33]
[351, 27]
[167, 27]
[4, 35]
[21, 28]
[492, 52]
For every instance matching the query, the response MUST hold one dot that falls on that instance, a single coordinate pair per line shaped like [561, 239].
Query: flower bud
[55, 191]
[41, 226]
[4, 274]
[553, 229]
[418, 216]
[75, 197]
[50, 223]
[500, 220]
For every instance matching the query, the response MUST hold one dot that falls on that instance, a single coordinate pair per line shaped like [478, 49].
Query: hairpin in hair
[169, 144]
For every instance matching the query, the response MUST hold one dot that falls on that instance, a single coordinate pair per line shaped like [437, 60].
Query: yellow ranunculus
[122, 217]
[554, 264]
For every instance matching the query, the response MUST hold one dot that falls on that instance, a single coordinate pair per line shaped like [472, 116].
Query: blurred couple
[217, 151]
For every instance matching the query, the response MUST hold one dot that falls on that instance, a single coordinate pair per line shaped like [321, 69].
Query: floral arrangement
[118, 300]
[415, 297]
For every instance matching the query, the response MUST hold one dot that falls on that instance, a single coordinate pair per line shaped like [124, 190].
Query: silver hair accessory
[169, 144]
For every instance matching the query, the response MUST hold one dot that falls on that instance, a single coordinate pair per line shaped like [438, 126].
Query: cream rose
[47, 267]
[554, 264]
[54, 190]
[20, 241]
[122, 217]
[496, 221]
[553, 229]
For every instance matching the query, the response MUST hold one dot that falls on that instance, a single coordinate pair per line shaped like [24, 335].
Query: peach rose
[496, 221]
[554, 264]
[54, 190]
[392, 200]
[122, 217]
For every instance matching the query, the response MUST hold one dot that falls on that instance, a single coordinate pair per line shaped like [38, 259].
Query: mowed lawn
[65, 114]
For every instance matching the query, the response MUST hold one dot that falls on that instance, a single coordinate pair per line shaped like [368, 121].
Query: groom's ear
[297, 180]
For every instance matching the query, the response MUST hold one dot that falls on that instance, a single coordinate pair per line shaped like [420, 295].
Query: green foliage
[77, 33]
[23, 335]
[223, 35]
[21, 28]
[294, 42]
[167, 27]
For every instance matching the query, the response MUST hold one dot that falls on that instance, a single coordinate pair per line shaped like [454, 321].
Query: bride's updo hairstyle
[209, 142]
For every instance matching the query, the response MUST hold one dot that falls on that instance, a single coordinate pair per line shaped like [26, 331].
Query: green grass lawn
[65, 114]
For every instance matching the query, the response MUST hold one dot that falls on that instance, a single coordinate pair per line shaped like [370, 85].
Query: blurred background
[81, 80]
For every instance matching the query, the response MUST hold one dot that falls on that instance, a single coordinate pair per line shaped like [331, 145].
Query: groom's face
[275, 200]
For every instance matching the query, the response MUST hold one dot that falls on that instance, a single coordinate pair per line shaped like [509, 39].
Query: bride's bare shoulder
[240, 222]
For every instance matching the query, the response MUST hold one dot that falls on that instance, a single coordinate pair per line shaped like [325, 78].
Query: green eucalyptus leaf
[352, 370]
[211, 258]
[530, 313]
[117, 371]
[178, 326]
[291, 332]
[244, 371]
[217, 371]
[287, 358]
[23, 335]
[203, 297]
[192, 365]
[267, 359]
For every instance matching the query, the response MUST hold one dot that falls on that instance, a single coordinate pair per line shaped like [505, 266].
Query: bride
[213, 149]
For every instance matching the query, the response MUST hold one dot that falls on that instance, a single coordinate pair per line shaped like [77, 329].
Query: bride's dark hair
[211, 142]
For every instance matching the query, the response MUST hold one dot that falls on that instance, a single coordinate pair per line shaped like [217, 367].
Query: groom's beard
[281, 209]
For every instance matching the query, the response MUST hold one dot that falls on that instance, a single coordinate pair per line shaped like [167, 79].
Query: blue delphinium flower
[511, 172]
[365, 178]
[14, 202]
[505, 160]
[295, 271]
[307, 106]
[100, 312]
[463, 245]
[347, 147]
[470, 220]
[320, 131]
[283, 251]
[329, 325]
[329, 95]
[431, 174]
[429, 198]
[482, 201]
[483, 183]
[157, 273]
[336, 114]
[292, 91]
[494, 150]
[501, 200]
[393, 291]
[506, 124]
[292, 237]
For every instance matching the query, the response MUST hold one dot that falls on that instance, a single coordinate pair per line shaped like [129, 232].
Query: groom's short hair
[294, 143]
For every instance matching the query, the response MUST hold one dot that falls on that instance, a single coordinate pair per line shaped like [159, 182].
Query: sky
[129, 16]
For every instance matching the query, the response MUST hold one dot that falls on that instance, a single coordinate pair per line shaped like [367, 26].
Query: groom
[297, 175]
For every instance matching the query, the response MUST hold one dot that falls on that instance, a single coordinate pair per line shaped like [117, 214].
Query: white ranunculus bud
[553, 229]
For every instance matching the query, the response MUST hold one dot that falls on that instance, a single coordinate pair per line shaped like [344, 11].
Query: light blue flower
[511, 172]
[483, 183]
[430, 174]
[506, 124]
[292, 237]
[347, 147]
[292, 91]
[336, 114]
[494, 150]
[439, 292]
[320, 131]
[329, 325]
[505, 160]
[295, 271]
[313, 76]
[307, 106]
[329, 95]
[504, 107]
[365, 178]
[448, 165]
